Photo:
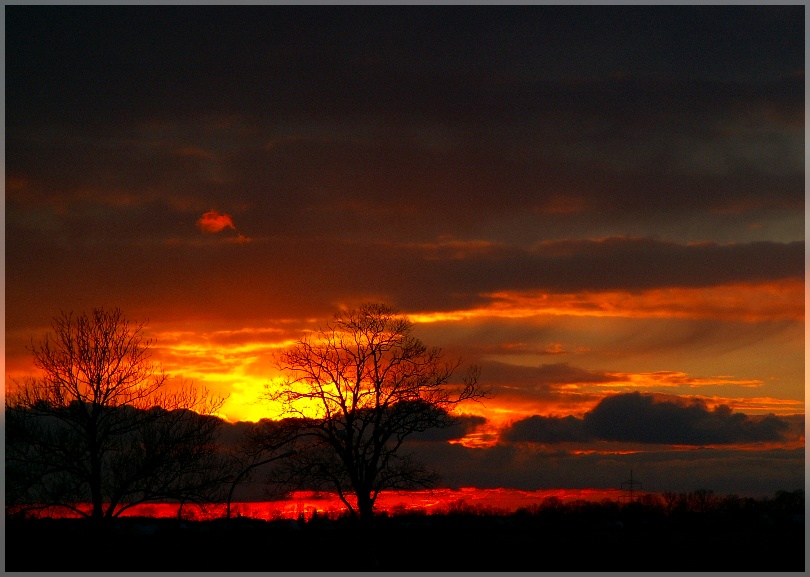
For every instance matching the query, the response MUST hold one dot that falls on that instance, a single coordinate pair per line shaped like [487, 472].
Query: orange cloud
[749, 302]
[213, 222]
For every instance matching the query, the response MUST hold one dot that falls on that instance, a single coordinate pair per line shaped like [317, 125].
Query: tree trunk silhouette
[373, 385]
[102, 426]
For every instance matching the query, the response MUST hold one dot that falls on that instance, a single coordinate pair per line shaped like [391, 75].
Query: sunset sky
[603, 207]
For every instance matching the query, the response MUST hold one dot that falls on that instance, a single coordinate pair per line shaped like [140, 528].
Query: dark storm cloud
[548, 430]
[639, 418]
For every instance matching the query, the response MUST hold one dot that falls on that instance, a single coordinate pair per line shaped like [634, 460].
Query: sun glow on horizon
[239, 363]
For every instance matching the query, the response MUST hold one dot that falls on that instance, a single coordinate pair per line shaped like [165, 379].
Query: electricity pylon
[631, 486]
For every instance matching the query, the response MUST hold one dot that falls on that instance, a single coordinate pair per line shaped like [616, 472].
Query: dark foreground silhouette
[584, 537]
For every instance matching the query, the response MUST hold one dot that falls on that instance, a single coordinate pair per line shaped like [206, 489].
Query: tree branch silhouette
[373, 384]
[102, 425]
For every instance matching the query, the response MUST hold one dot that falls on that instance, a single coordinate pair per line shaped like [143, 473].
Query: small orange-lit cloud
[213, 222]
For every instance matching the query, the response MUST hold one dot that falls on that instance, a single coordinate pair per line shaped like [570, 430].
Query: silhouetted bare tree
[102, 426]
[373, 384]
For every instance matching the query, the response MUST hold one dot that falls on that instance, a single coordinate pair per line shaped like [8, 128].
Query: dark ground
[523, 541]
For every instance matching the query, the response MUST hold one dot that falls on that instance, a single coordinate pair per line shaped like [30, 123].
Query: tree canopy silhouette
[373, 384]
[102, 426]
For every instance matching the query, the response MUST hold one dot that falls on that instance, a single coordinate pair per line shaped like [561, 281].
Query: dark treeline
[696, 531]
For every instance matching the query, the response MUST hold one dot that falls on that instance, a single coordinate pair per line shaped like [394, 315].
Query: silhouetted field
[587, 537]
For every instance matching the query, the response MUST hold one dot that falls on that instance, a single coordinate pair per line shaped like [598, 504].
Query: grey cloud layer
[639, 418]
[275, 57]
[479, 116]
[341, 158]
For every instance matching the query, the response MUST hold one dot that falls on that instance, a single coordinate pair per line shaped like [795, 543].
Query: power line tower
[631, 487]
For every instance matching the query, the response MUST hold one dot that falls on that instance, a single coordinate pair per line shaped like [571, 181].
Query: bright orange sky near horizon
[610, 222]
[231, 368]
[238, 364]
[234, 373]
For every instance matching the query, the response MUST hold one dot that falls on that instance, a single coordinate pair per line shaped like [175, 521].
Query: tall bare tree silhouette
[373, 384]
[101, 425]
